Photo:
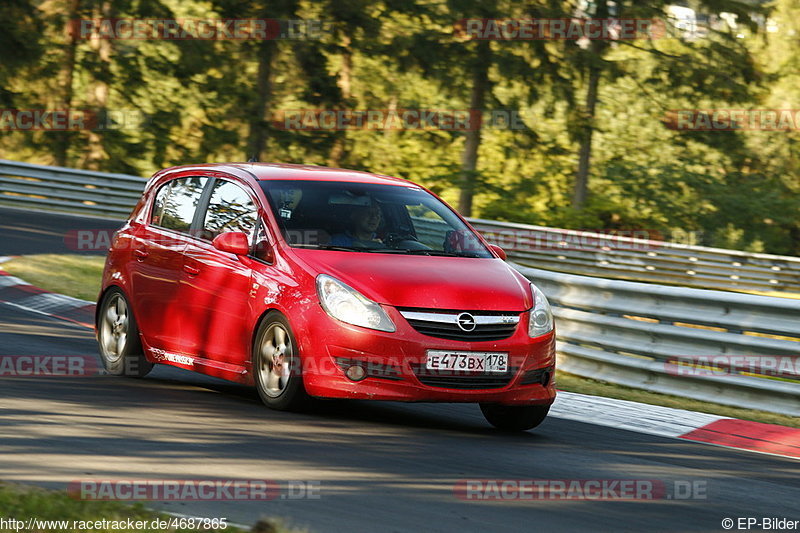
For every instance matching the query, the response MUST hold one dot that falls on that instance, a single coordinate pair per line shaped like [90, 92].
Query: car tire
[118, 337]
[276, 365]
[514, 417]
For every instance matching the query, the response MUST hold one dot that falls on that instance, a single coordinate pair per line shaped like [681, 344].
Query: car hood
[458, 283]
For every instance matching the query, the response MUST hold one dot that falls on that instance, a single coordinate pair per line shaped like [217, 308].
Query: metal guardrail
[69, 189]
[672, 339]
[577, 252]
[608, 329]
[597, 254]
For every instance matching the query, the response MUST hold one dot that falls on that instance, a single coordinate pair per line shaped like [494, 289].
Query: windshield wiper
[325, 247]
[441, 253]
[337, 248]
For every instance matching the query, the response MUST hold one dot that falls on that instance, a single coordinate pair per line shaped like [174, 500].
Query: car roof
[286, 171]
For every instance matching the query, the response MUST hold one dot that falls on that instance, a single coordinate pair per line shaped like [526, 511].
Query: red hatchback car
[311, 281]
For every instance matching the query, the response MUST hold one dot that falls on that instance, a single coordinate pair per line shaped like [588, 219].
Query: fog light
[355, 373]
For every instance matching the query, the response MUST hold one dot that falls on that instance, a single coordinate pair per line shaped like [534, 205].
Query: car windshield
[366, 217]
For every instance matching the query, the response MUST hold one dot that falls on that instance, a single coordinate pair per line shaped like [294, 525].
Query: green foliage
[205, 101]
[22, 503]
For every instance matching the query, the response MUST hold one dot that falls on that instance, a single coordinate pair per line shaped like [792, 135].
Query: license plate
[481, 362]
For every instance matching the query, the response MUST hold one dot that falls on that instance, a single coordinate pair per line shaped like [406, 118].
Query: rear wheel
[514, 417]
[118, 336]
[276, 365]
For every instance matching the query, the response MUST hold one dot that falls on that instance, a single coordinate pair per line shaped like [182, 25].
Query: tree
[470, 69]
[719, 66]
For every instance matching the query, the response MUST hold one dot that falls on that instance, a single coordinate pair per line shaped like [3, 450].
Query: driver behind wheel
[363, 225]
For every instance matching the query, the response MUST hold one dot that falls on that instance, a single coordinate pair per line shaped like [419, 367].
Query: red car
[317, 282]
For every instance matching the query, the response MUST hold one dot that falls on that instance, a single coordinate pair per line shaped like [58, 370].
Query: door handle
[141, 253]
[192, 271]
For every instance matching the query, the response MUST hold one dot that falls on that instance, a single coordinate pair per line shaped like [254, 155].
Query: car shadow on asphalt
[401, 414]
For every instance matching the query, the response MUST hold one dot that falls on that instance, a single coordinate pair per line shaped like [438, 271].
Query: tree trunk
[585, 150]
[258, 133]
[598, 48]
[96, 153]
[344, 81]
[66, 75]
[472, 142]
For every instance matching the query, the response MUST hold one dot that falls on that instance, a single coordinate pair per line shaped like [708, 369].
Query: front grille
[461, 380]
[488, 325]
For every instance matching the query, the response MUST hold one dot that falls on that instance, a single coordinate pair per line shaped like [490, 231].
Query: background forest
[593, 143]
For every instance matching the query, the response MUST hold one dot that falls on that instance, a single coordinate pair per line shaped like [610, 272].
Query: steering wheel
[406, 240]
[393, 240]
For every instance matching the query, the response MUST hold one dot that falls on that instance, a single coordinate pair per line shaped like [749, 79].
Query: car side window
[175, 203]
[229, 209]
[159, 202]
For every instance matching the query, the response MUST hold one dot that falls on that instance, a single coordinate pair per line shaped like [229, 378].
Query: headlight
[541, 317]
[348, 305]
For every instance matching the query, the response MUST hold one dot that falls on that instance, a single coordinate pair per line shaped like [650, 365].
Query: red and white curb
[22, 295]
[678, 423]
[610, 412]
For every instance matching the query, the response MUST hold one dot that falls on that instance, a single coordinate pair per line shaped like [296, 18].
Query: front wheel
[514, 417]
[276, 365]
[118, 336]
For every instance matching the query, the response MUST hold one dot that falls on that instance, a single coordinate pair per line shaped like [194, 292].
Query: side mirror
[233, 242]
[263, 251]
[499, 252]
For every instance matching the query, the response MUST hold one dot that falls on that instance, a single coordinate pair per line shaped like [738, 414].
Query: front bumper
[395, 364]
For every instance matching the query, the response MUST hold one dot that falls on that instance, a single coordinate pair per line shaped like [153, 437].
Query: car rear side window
[230, 209]
[176, 202]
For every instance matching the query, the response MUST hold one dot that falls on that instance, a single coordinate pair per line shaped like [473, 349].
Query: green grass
[79, 276]
[22, 502]
[74, 275]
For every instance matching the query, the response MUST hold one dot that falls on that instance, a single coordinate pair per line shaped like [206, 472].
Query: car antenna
[253, 159]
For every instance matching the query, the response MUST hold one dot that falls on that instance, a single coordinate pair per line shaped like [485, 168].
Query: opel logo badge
[466, 322]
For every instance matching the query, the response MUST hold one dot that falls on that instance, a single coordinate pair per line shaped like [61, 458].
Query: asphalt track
[40, 232]
[381, 467]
